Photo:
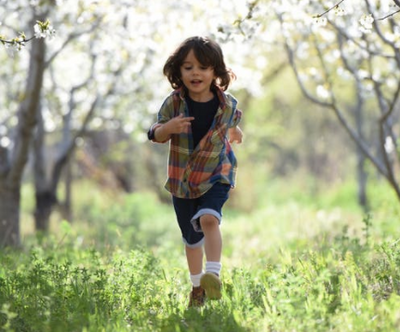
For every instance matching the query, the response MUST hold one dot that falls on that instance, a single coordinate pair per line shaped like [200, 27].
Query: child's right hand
[178, 124]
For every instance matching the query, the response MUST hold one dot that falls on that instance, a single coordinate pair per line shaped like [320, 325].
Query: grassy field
[295, 261]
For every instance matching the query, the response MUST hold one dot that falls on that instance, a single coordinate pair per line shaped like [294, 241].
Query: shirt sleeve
[165, 114]
[236, 113]
[237, 116]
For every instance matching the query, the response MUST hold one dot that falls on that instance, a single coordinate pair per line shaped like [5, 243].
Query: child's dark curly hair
[208, 53]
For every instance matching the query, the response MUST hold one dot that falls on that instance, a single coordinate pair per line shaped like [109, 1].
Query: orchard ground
[295, 262]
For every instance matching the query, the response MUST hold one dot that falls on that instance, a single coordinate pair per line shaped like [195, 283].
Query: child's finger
[187, 120]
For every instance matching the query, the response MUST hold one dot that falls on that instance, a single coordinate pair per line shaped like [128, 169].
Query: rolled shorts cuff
[196, 218]
[193, 245]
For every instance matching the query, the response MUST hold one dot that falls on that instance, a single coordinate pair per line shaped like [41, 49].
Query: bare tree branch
[70, 147]
[62, 160]
[382, 36]
[251, 7]
[330, 9]
[70, 38]
[344, 33]
[71, 103]
[339, 114]
[278, 69]
[383, 122]
[304, 90]
[383, 103]
[332, 105]
[397, 2]
[390, 172]
[388, 16]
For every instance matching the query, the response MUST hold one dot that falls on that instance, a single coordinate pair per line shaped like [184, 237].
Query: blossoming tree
[12, 161]
[101, 70]
[338, 49]
[360, 55]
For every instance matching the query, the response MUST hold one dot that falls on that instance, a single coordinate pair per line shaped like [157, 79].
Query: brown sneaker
[212, 285]
[197, 297]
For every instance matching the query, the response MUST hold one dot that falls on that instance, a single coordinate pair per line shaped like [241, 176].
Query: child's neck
[202, 98]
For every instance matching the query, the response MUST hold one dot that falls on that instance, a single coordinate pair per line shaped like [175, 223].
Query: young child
[197, 117]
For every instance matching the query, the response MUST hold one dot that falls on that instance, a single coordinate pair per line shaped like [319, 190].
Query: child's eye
[203, 68]
[187, 68]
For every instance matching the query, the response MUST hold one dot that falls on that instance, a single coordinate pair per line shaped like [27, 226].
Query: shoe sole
[212, 285]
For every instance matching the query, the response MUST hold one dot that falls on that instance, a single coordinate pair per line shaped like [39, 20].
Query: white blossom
[320, 21]
[43, 30]
[5, 142]
[339, 11]
[14, 46]
[366, 23]
[323, 92]
[389, 145]
[363, 74]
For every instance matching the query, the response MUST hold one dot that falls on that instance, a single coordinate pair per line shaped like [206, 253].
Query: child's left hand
[235, 135]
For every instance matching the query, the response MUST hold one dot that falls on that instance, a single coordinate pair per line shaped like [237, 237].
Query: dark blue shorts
[189, 211]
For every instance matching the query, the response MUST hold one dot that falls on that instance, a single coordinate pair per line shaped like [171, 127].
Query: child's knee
[208, 220]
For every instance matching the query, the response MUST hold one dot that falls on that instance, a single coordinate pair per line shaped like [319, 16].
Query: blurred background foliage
[103, 85]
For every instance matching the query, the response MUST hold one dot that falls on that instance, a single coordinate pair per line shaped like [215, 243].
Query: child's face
[197, 78]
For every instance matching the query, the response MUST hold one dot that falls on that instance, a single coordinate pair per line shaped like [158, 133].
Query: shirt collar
[181, 92]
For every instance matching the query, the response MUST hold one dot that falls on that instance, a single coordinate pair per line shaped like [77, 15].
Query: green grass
[294, 264]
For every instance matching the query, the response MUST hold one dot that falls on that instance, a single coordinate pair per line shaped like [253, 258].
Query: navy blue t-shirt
[203, 113]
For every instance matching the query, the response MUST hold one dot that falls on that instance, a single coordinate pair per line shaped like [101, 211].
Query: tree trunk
[9, 215]
[12, 165]
[45, 198]
[45, 201]
[361, 159]
[362, 181]
[67, 205]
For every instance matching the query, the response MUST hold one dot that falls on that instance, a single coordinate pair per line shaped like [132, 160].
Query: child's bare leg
[212, 237]
[195, 259]
[213, 246]
[195, 262]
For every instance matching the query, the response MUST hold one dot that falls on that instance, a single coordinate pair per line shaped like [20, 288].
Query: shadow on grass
[211, 318]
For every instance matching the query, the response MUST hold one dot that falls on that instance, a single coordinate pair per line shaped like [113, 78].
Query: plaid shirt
[193, 170]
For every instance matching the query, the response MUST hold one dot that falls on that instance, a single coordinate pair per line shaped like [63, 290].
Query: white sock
[195, 278]
[214, 267]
